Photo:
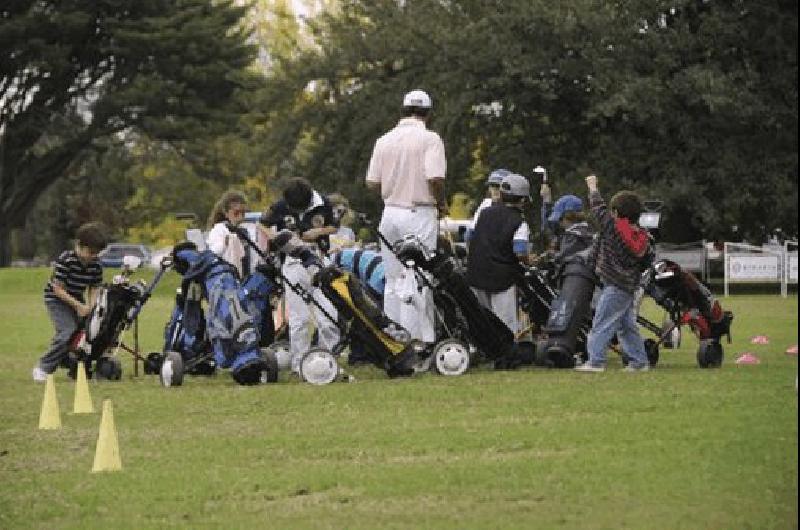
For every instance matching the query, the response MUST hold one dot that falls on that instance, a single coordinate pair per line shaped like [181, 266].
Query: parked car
[112, 255]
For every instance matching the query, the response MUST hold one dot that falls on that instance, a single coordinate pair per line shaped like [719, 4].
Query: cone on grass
[106, 455]
[50, 416]
[83, 401]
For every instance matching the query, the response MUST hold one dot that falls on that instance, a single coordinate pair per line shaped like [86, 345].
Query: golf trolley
[116, 310]
[688, 302]
[359, 319]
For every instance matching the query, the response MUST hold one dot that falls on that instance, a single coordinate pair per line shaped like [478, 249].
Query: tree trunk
[5, 245]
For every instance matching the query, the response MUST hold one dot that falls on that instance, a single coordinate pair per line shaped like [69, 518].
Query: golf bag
[461, 316]
[568, 321]
[232, 321]
[118, 304]
[688, 302]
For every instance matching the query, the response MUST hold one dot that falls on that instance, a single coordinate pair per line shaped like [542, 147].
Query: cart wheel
[109, 368]
[280, 350]
[171, 373]
[319, 367]
[451, 357]
[153, 362]
[710, 355]
[270, 374]
[651, 348]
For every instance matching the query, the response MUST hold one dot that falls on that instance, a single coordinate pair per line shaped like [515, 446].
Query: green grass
[679, 447]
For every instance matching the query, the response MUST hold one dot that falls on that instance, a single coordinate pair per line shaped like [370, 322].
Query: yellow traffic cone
[83, 401]
[50, 416]
[106, 455]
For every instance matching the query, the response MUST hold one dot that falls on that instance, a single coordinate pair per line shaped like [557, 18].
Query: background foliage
[693, 102]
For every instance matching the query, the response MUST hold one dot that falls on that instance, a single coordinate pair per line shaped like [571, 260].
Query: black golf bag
[688, 302]
[564, 333]
[118, 304]
[462, 316]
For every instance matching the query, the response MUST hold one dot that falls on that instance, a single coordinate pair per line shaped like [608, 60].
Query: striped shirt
[74, 276]
[620, 248]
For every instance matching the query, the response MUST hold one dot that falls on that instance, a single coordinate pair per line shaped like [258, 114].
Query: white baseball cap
[417, 98]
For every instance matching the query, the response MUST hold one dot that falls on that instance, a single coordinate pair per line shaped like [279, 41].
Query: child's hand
[83, 310]
[591, 182]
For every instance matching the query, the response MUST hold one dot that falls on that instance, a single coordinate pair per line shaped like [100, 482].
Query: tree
[689, 101]
[75, 74]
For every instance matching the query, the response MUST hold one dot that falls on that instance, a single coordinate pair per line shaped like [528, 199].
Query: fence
[692, 257]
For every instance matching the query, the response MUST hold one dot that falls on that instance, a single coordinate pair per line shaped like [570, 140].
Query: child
[229, 209]
[574, 233]
[498, 244]
[493, 196]
[621, 249]
[75, 272]
[306, 212]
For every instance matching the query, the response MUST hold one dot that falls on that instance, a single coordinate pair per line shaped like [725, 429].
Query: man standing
[408, 167]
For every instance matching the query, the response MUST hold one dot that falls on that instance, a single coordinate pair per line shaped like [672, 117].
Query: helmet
[319, 367]
[496, 177]
[516, 186]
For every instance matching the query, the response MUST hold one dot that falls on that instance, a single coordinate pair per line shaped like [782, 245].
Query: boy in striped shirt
[621, 250]
[75, 273]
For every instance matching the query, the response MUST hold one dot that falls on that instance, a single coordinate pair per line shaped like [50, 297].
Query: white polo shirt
[403, 161]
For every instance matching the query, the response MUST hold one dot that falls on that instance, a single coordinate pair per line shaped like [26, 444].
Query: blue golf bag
[236, 313]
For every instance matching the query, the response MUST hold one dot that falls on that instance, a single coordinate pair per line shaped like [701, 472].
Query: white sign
[792, 268]
[689, 260]
[753, 268]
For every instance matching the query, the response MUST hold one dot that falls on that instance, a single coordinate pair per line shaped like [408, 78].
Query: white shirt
[403, 161]
[226, 245]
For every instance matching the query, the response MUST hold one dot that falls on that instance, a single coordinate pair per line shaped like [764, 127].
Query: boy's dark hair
[628, 205]
[298, 193]
[92, 235]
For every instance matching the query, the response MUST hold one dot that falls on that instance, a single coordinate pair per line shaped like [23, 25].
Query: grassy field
[678, 447]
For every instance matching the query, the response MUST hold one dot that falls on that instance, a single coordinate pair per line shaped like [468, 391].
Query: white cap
[417, 98]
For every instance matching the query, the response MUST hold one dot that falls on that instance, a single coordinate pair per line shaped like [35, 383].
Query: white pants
[300, 329]
[403, 300]
[502, 304]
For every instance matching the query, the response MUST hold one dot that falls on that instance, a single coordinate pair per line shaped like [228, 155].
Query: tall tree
[75, 73]
[690, 101]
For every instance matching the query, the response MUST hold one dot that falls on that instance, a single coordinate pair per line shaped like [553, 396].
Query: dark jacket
[492, 265]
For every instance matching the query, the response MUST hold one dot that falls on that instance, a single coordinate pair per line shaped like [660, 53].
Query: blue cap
[496, 177]
[564, 204]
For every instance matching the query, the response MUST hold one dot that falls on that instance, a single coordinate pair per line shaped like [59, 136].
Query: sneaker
[640, 368]
[39, 375]
[589, 367]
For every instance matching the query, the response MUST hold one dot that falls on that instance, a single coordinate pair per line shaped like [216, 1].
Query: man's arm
[436, 187]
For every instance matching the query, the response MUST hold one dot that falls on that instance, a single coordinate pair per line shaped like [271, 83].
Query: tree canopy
[75, 76]
[690, 102]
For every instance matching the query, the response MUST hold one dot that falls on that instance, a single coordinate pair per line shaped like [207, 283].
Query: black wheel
[109, 368]
[153, 362]
[710, 355]
[651, 348]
